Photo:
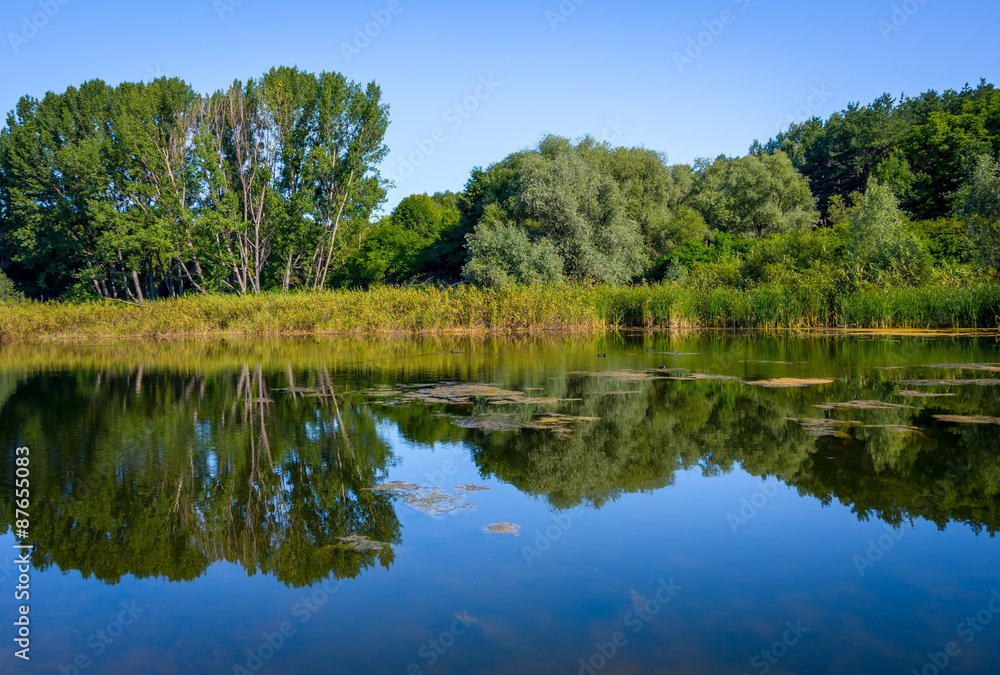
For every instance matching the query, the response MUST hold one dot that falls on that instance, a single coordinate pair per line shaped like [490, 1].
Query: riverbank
[515, 310]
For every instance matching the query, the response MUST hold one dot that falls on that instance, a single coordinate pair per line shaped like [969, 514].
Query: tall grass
[518, 309]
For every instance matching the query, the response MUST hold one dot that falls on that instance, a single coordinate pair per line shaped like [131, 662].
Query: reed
[522, 309]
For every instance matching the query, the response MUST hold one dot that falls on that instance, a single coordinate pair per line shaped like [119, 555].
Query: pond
[698, 503]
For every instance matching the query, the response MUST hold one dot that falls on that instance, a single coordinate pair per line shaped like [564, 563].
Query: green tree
[578, 198]
[880, 247]
[756, 195]
[982, 212]
[399, 248]
[501, 254]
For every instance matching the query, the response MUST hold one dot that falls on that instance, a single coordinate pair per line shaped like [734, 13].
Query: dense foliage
[150, 190]
[144, 190]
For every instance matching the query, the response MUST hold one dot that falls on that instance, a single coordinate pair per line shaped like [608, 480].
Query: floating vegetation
[556, 423]
[611, 393]
[487, 422]
[504, 528]
[674, 353]
[987, 367]
[898, 428]
[624, 375]
[787, 363]
[790, 382]
[433, 501]
[982, 382]
[561, 425]
[968, 419]
[460, 393]
[920, 394]
[824, 427]
[358, 542]
[469, 487]
[689, 377]
[864, 405]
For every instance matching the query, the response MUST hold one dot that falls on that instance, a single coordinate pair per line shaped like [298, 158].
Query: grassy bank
[521, 309]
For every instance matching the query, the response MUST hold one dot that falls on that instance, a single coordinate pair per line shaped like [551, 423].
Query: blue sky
[571, 67]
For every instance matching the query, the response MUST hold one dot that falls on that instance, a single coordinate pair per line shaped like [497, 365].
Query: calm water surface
[306, 506]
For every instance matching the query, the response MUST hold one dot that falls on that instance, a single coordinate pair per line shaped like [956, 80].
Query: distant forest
[150, 190]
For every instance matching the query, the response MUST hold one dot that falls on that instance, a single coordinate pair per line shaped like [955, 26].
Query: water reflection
[159, 474]
[154, 460]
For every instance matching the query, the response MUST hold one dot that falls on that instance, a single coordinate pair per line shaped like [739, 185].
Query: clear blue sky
[605, 68]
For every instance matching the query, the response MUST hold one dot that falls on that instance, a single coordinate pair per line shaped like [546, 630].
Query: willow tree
[559, 207]
[982, 211]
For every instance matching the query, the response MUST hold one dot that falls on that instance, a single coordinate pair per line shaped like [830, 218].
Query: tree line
[151, 190]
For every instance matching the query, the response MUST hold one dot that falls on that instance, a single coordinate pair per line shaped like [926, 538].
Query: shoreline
[525, 310]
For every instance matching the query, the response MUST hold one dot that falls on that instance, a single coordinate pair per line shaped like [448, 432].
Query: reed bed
[511, 310]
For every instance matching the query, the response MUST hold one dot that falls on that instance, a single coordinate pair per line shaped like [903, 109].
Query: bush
[8, 292]
[501, 254]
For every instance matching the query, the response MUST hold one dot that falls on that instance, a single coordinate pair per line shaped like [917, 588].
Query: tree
[756, 195]
[880, 249]
[575, 198]
[148, 189]
[982, 212]
[398, 248]
[501, 254]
